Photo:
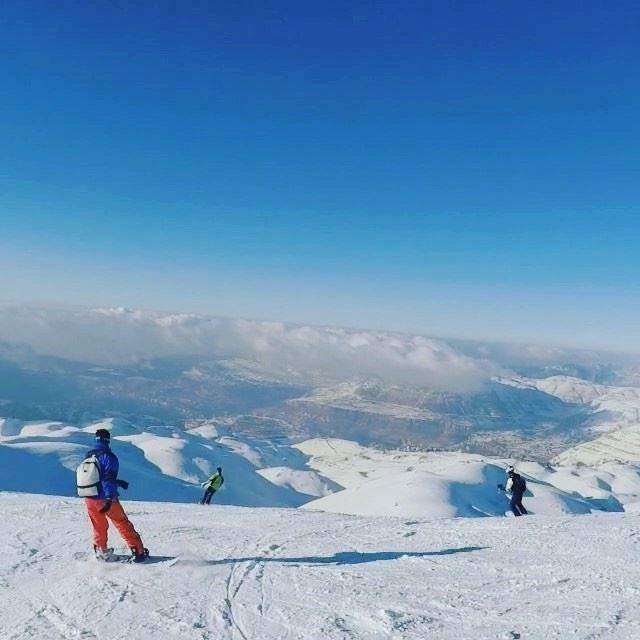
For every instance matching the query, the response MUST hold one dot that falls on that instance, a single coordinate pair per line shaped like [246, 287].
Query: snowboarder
[104, 505]
[516, 486]
[212, 485]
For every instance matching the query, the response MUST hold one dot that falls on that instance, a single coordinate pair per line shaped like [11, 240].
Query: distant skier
[516, 486]
[212, 485]
[97, 479]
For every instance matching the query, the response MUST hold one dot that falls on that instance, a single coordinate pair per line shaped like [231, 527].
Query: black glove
[123, 484]
[106, 506]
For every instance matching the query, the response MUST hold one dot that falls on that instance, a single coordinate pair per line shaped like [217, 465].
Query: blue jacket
[108, 464]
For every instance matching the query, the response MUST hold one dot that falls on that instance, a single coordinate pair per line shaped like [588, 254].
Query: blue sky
[446, 168]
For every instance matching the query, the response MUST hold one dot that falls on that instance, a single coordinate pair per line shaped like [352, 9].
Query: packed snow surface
[239, 574]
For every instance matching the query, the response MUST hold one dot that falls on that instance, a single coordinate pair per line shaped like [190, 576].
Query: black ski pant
[208, 494]
[516, 505]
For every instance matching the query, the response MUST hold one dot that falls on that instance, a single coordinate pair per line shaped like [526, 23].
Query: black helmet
[103, 435]
[219, 469]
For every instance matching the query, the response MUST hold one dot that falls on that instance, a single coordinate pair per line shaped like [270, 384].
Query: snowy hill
[449, 484]
[161, 463]
[372, 387]
[272, 574]
[615, 421]
[613, 406]
[167, 464]
[503, 417]
[621, 445]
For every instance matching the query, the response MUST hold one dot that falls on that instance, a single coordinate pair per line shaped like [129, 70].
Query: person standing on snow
[506, 487]
[212, 485]
[104, 506]
[516, 486]
[507, 484]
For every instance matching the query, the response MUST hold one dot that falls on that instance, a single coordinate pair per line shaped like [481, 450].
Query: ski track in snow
[262, 574]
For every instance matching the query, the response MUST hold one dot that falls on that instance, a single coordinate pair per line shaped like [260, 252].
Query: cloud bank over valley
[117, 336]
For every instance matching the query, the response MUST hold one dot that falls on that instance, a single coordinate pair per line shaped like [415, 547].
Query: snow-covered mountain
[377, 388]
[450, 484]
[160, 463]
[271, 574]
[328, 538]
[361, 476]
[614, 422]
[497, 418]
[613, 406]
[500, 418]
[167, 464]
[245, 391]
[619, 445]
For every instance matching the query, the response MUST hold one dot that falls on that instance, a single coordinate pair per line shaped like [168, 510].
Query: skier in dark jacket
[105, 505]
[212, 485]
[517, 485]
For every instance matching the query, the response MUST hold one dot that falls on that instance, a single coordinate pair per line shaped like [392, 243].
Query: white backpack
[88, 477]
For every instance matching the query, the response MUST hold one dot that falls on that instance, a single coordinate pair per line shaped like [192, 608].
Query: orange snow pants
[116, 514]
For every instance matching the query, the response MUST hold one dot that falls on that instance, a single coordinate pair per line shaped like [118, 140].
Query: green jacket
[215, 481]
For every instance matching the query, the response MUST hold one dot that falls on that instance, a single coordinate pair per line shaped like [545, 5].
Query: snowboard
[124, 558]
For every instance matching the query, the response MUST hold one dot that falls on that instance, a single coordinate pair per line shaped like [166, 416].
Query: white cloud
[516, 355]
[117, 336]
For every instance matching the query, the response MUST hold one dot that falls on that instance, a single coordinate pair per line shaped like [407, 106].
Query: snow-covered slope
[570, 389]
[167, 464]
[160, 463]
[375, 413]
[448, 484]
[621, 445]
[615, 420]
[229, 573]
[615, 406]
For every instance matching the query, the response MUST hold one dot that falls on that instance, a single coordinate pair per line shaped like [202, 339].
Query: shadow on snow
[349, 557]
